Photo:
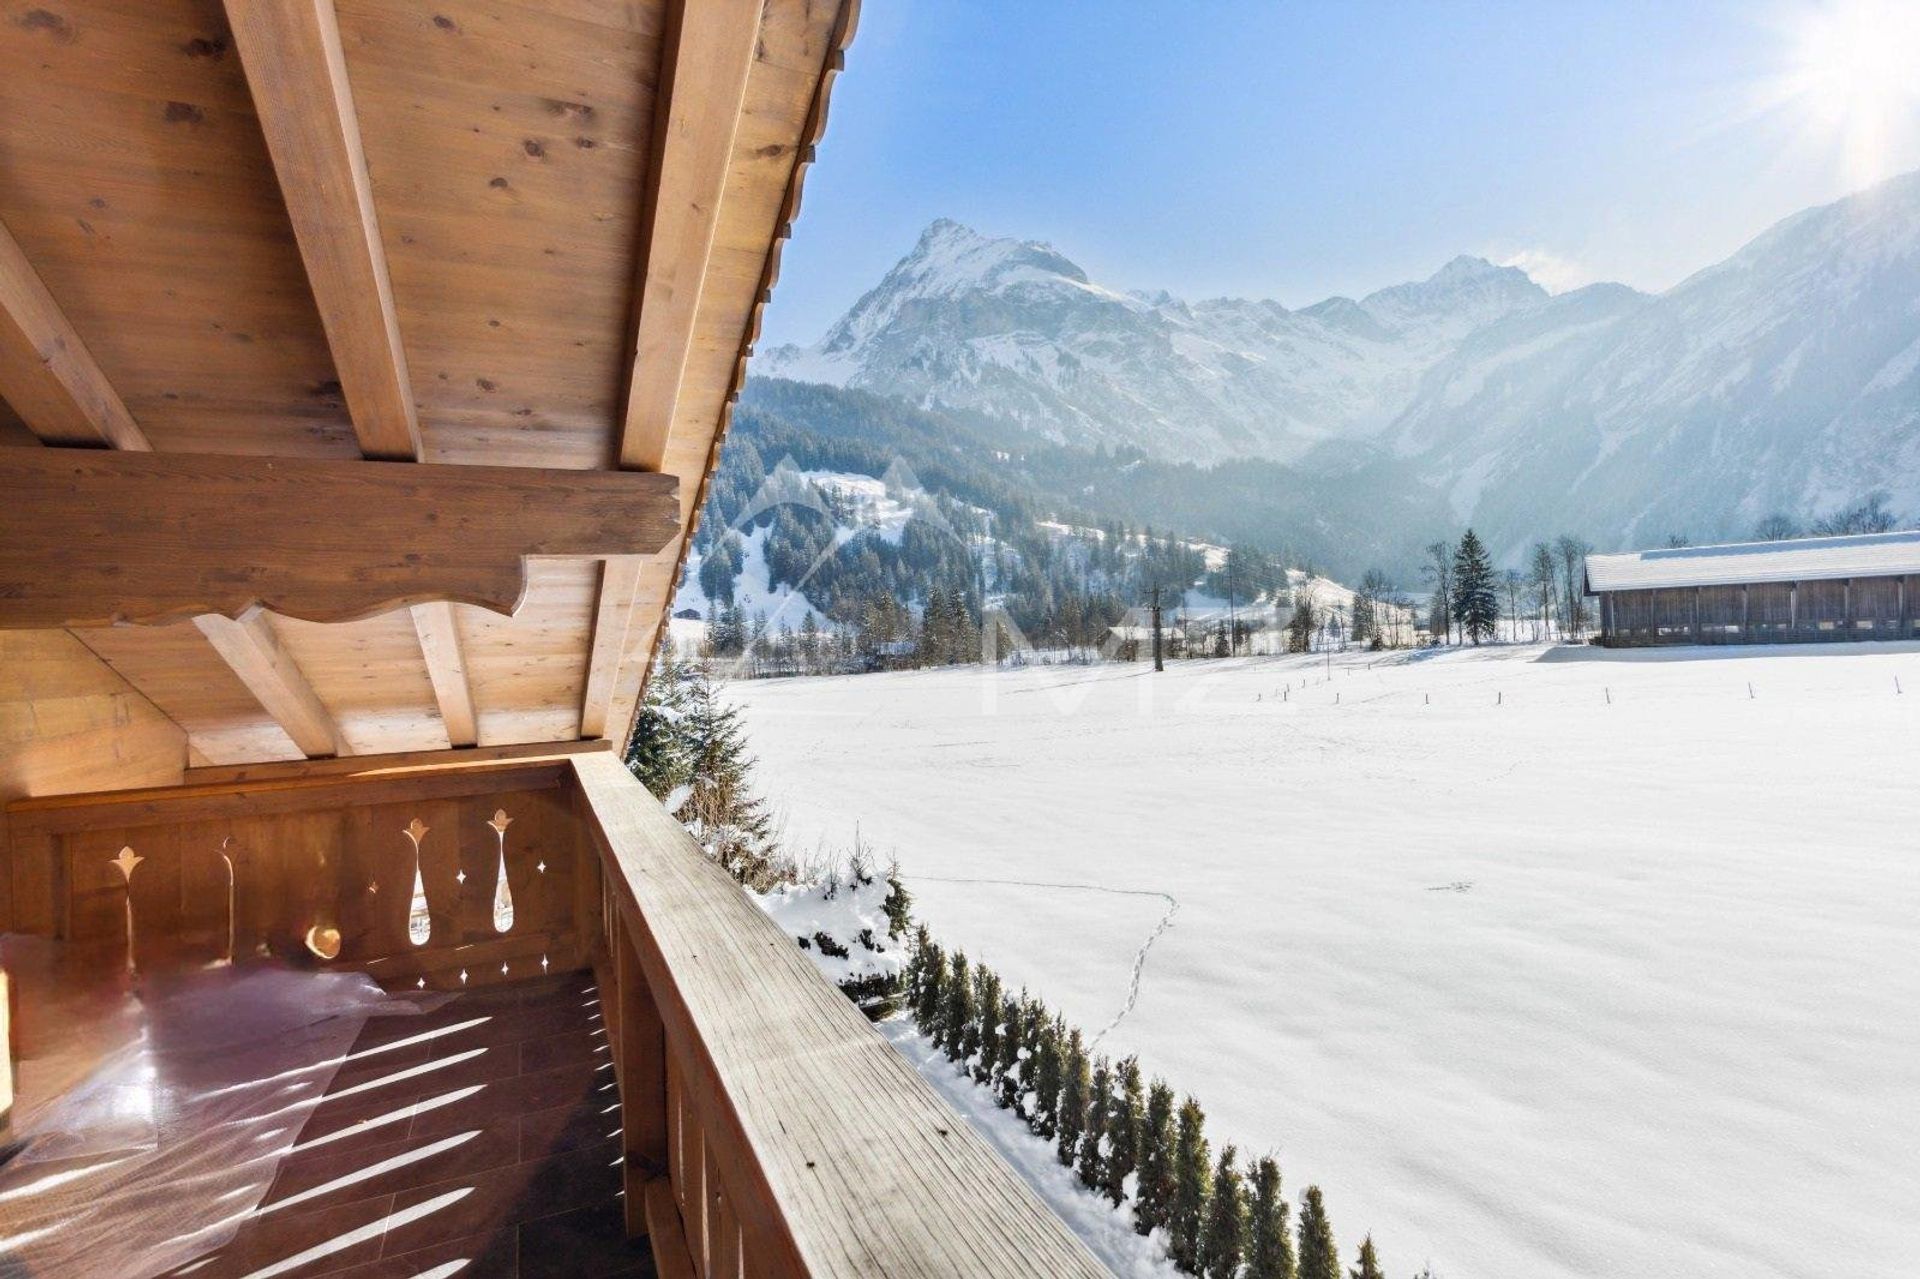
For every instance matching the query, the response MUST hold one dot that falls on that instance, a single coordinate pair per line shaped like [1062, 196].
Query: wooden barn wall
[333, 856]
[1778, 612]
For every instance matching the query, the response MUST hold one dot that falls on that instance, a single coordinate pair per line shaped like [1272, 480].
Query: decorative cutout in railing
[419, 921]
[126, 863]
[226, 857]
[502, 892]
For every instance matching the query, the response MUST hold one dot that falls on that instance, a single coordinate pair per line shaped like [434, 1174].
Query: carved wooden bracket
[95, 538]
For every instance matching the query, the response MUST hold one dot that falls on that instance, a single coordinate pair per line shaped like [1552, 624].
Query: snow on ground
[1532, 982]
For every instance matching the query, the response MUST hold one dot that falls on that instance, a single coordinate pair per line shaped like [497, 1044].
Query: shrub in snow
[1369, 1267]
[1153, 1209]
[1192, 1178]
[848, 933]
[1318, 1257]
[1269, 1243]
[1224, 1237]
[1074, 1086]
[1126, 1122]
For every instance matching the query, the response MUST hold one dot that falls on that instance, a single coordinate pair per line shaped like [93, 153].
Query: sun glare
[1854, 76]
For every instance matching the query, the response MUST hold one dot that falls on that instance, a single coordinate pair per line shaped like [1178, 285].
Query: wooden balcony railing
[768, 1129]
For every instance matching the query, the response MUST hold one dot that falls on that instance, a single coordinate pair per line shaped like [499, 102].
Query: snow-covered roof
[1803, 559]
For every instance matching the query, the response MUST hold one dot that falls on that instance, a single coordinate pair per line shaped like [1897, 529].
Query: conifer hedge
[1125, 1138]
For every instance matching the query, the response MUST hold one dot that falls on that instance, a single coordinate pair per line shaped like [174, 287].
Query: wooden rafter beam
[255, 653]
[447, 668]
[96, 538]
[46, 371]
[298, 76]
[612, 622]
[707, 53]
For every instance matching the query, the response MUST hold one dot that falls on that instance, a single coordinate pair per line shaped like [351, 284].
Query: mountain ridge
[1786, 376]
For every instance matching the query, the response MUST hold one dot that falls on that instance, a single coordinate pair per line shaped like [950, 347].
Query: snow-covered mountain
[1786, 377]
[1014, 329]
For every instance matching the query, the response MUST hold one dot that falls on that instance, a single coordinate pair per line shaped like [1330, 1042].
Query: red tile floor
[479, 1140]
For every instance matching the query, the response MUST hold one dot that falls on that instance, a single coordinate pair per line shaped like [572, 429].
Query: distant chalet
[1807, 590]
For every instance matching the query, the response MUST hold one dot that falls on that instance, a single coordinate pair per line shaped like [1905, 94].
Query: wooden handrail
[796, 1140]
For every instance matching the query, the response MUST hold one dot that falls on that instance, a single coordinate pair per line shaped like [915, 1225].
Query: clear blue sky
[1297, 150]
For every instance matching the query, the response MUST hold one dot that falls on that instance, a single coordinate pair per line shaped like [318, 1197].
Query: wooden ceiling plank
[298, 76]
[447, 668]
[709, 49]
[254, 652]
[46, 372]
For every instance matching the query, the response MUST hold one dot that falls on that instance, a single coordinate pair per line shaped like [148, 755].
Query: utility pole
[1158, 665]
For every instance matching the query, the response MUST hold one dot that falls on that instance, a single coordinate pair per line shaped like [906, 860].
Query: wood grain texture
[508, 150]
[46, 372]
[185, 676]
[612, 622]
[139, 185]
[447, 668]
[91, 538]
[254, 653]
[767, 1053]
[67, 723]
[375, 765]
[802, 50]
[298, 76]
[709, 50]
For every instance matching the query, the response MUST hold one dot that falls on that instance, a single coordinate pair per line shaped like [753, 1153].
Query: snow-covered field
[1534, 983]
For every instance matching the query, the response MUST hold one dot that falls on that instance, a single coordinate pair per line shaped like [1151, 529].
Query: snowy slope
[1785, 378]
[1532, 982]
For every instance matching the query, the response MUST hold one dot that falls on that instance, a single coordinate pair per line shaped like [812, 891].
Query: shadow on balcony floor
[478, 1140]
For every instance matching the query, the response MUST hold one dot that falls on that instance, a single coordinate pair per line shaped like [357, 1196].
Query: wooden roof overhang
[415, 328]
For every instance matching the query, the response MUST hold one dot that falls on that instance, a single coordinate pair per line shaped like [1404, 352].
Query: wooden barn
[1809, 590]
[363, 364]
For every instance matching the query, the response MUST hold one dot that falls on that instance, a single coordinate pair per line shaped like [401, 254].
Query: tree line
[1125, 1137]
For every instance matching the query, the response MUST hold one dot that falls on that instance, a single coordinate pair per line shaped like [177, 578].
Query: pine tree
[1033, 1021]
[1190, 1177]
[924, 972]
[1074, 1085]
[1318, 1257]
[1092, 1159]
[988, 1004]
[722, 812]
[1224, 1238]
[1049, 1074]
[1269, 1244]
[1125, 1123]
[1153, 1200]
[957, 1012]
[898, 907]
[1476, 595]
[1369, 1267]
[658, 753]
[970, 1028]
[1006, 1064]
